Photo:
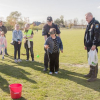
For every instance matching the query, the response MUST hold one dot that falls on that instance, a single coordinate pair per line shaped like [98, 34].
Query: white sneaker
[56, 72]
[2, 57]
[27, 60]
[19, 60]
[15, 61]
[50, 73]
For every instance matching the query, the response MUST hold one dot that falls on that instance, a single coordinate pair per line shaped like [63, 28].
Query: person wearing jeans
[17, 39]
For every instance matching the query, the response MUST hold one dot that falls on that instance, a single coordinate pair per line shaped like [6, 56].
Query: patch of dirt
[76, 65]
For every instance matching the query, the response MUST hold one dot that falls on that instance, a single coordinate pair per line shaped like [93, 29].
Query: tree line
[15, 17]
[69, 23]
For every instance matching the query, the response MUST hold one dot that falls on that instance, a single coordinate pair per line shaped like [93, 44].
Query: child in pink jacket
[3, 43]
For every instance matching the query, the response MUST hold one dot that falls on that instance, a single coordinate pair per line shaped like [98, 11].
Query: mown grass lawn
[69, 84]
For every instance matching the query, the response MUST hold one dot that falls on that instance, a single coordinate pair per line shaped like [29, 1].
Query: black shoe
[91, 79]
[32, 60]
[45, 70]
[88, 75]
[94, 75]
[7, 54]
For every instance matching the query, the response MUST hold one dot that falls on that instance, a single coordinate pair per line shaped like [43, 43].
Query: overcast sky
[38, 10]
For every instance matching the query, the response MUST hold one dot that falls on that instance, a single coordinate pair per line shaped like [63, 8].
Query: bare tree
[26, 19]
[83, 22]
[66, 23]
[70, 23]
[75, 21]
[57, 21]
[62, 19]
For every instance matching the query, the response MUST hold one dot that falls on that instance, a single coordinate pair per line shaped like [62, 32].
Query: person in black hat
[3, 28]
[45, 32]
[53, 44]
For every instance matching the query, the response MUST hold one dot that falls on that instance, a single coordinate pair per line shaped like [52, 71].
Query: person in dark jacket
[91, 42]
[52, 45]
[3, 28]
[45, 32]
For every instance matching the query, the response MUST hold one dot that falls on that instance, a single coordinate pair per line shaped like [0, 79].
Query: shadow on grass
[4, 84]
[79, 79]
[12, 71]
[65, 74]
[22, 98]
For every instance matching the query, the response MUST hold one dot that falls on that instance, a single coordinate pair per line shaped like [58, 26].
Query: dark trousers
[54, 62]
[88, 49]
[31, 50]
[5, 50]
[46, 59]
[17, 48]
[93, 69]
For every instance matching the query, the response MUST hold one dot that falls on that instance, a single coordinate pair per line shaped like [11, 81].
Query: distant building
[36, 23]
[42, 23]
[79, 26]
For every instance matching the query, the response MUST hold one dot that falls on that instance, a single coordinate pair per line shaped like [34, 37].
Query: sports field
[69, 84]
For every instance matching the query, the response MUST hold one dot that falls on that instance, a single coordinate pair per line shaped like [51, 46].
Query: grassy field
[69, 84]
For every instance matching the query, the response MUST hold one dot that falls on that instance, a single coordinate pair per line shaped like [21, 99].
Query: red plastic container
[15, 90]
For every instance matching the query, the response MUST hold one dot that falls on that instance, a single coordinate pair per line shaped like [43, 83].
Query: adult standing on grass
[28, 42]
[17, 38]
[90, 42]
[45, 33]
[53, 44]
[3, 28]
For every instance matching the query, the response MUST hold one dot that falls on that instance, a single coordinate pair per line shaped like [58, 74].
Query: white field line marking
[75, 65]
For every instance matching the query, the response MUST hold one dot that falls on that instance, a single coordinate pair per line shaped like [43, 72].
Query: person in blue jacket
[45, 32]
[17, 37]
[53, 45]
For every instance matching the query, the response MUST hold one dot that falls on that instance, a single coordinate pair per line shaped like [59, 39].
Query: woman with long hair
[17, 38]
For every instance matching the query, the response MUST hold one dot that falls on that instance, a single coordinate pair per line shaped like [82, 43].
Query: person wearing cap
[3, 28]
[45, 32]
[3, 43]
[28, 41]
[17, 38]
[54, 45]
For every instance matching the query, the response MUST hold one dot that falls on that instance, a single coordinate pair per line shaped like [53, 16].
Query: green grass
[69, 84]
